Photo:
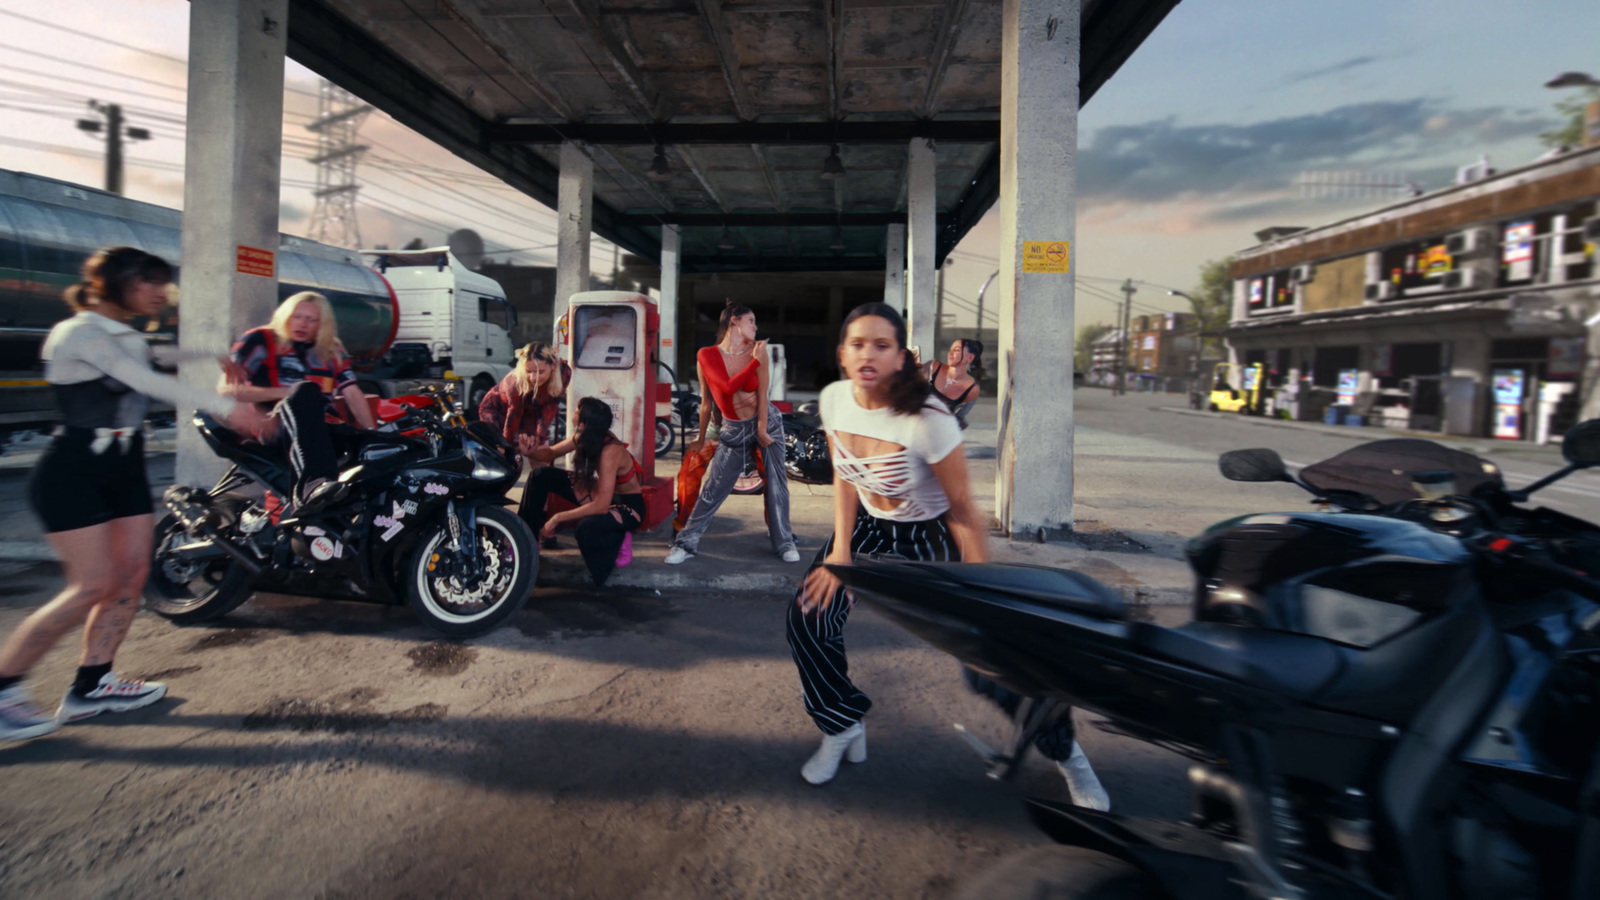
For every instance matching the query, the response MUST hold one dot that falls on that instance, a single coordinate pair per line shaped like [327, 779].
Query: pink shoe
[625, 555]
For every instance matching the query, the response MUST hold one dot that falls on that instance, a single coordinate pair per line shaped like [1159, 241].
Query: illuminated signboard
[1518, 254]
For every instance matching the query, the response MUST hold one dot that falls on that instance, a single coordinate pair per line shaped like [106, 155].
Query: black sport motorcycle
[1395, 695]
[418, 518]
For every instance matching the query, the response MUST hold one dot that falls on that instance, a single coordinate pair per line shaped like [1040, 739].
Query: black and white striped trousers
[816, 639]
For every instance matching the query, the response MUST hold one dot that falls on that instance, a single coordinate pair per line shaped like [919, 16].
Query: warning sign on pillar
[255, 261]
[1045, 256]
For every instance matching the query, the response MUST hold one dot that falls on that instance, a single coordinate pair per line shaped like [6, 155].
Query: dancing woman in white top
[899, 486]
[90, 490]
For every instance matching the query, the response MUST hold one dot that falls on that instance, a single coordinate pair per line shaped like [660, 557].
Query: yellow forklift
[1246, 397]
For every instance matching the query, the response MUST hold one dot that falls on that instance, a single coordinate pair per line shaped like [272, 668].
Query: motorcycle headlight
[486, 464]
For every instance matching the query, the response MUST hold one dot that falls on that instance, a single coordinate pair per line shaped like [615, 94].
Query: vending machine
[1509, 387]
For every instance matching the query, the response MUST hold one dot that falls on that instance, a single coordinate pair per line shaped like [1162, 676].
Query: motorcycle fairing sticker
[392, 522]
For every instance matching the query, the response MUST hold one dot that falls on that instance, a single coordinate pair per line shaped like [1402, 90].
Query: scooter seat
[1064, 588]
[1288, 664]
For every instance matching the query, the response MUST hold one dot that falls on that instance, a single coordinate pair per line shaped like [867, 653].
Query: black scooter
[1388, 697]
[419, 519]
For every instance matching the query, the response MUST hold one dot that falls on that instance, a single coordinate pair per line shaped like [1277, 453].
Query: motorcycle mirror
[1581, 446]
[1253, 465]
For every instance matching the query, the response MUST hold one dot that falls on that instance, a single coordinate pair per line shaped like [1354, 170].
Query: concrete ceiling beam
[939, 63]
[727, 55]
[509, 50]
[821, 134]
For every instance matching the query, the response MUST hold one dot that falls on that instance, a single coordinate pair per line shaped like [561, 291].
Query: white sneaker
[791, 555]
[1082, 783]
[676, 556]
[19, 718]
[112, 694]
[850, 743]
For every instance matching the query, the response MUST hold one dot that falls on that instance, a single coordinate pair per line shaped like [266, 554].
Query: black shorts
[73, 487]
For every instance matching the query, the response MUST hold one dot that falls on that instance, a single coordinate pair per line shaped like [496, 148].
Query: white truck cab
[462, 317]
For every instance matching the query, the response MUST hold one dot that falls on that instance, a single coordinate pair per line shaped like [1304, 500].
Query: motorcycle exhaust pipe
[198, 521]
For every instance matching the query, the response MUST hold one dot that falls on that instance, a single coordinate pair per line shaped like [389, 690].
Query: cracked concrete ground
[625, 745]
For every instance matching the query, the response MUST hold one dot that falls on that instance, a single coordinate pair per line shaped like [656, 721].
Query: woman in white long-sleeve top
[90, 489]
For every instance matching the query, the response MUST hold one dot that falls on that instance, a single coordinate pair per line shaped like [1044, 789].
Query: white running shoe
[676, 556]
[850, 743]
[19, 718]
[111, 695]
[1082, 783]
[791, 555]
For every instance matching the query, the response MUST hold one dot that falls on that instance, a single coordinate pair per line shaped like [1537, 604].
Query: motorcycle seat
[1289, 664]
[264, 460]
[1063, 588]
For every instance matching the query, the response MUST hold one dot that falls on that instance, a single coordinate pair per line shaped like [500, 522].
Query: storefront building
[1470, 310]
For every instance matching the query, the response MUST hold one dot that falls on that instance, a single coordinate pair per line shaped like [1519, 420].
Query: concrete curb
[1477, 445]
[560, 573]
[26, 551]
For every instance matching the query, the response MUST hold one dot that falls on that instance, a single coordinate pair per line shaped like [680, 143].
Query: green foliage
[1571, 109]
[1213, 301]
[1082, 353]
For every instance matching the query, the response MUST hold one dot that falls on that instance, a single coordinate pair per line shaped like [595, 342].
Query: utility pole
[115, 131]
[1123, 342]
[339, 117]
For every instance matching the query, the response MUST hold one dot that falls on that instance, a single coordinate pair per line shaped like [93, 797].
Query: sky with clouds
[1196, 143]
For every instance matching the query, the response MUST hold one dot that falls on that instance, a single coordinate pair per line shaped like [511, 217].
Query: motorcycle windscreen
[1383, 470]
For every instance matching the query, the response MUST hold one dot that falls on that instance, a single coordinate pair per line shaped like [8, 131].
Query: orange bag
[690, 474]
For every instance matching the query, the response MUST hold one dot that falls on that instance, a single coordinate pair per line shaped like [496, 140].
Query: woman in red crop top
[734, 374]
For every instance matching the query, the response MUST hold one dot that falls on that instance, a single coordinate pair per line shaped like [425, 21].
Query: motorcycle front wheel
[189, 592]
[458, 603]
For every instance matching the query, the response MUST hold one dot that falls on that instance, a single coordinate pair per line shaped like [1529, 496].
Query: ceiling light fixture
[659, 170]
[838, 239]
[727, 240]
[833, 166]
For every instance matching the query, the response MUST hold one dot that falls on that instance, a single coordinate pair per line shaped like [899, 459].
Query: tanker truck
[436, 321]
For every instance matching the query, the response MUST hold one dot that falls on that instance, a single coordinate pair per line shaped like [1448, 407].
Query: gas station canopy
[717, 117]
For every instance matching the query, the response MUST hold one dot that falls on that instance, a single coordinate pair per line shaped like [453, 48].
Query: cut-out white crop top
[905, 475]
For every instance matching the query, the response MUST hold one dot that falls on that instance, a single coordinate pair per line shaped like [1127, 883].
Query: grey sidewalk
[1482, 446]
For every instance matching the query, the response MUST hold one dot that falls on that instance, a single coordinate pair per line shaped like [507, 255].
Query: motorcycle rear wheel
[458, 608]
[187, 593]
[1061, 873]
[751, 480]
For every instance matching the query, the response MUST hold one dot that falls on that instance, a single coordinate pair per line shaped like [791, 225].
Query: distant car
[1077, 379]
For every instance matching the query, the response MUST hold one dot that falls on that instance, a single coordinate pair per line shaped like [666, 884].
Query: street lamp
[1194, 385]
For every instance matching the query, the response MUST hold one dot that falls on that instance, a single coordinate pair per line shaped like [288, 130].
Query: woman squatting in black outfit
[900, 487]
[605, 480]
[90, 489]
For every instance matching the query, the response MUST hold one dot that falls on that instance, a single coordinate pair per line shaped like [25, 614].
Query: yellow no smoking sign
[1045, 256]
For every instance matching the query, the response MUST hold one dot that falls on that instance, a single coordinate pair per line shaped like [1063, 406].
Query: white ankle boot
[1082, 783]
[850, 743]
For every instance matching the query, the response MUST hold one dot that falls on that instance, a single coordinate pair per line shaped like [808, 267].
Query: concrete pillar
[574, 221]
[233, 150]
[922, 233]
[1469, 358]
[894, 267]
[669, 299]
[1039, 42]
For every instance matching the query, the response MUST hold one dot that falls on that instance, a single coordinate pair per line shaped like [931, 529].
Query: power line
[93, 37]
